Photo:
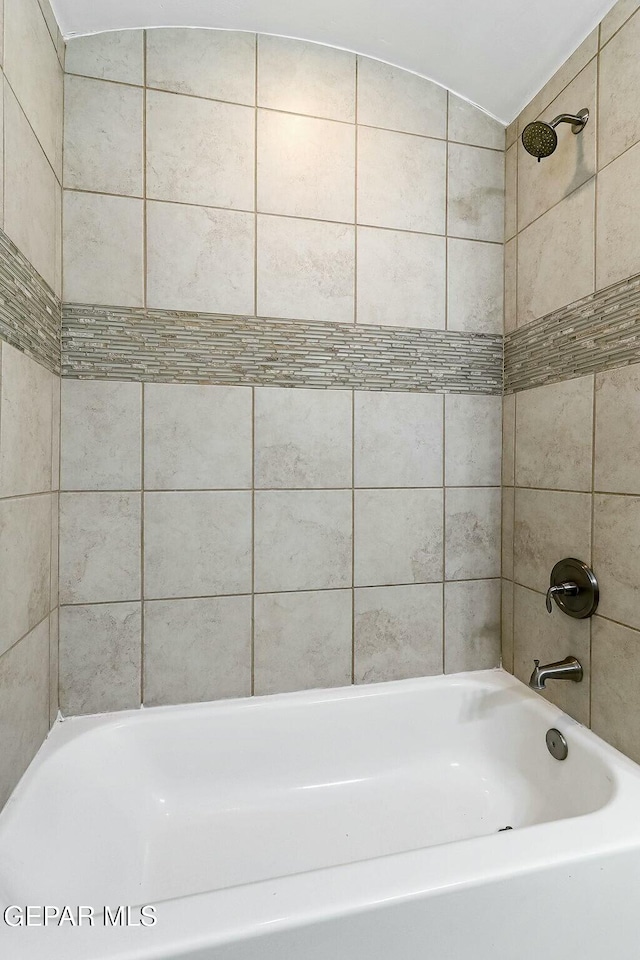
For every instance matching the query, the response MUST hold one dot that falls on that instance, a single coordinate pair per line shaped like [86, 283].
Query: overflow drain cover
[556, 744]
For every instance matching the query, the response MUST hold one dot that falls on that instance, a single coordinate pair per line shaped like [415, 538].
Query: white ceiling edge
[496, 54]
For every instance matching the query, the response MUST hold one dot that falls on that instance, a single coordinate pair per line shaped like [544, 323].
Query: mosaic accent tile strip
[597, 333]
[118, 343]
[30, 313]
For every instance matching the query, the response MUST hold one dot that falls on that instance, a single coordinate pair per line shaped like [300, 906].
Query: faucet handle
[548, 603]
[567, 589]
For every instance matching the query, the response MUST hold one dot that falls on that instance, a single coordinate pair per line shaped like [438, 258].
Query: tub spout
[567, 669]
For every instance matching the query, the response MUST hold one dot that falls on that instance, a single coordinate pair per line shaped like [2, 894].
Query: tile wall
[31, 109]
[571, 458]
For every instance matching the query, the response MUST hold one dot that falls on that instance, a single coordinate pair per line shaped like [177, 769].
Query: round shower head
[539, 139]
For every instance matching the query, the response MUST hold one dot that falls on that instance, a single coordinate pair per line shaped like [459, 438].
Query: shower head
[540, 139]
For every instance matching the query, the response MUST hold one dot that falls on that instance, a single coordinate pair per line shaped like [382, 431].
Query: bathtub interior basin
[155, 804]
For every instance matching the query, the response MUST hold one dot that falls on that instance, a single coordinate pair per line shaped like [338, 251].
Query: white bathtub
[361, 822]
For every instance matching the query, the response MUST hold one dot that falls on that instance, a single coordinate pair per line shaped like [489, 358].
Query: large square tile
[508, 517]
[200, 151]
[197, 436]
[197, 650]
[615, 18]
[303, 438]
[219, 64]
[471, 625]
[617, 447]
[510, 285]
[401, 181]
[116, 55]
[616, 558]
[549, 526]
[470, 124]
[302, 640]
[101, 435]
[614, 686]
[618, 229]
[476, 193]
[554, 430]
[619, 93]
[473, 440]
[544, 283]
[398, 632]
[397, 439]
[306, 270]
[197, 544]
[401, 279]
[100, 658]
[472, 533]
[511, 192]
[103, 136]
[302, 540]
[400, 100]
[25, 543]
[26, 420]
[200, 259]
[398, 536]
[103, 249]
[507, 626]
[508, 439]
[307, 78]
[306, 167]
[475, 286]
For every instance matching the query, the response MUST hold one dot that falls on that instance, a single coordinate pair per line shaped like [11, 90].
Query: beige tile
[197, 436]
[617, 444]
[398, 632]
[397, 439]
[306, 167]
[117, 55]
[473, 440]
[544, 281]
[302, 640]
[100, 666]
[563, 76]
[26, 419]
[618, 233]
[219, 64]
[510, 285]
[212, 659]
[472, 533]
[553, 443]
[24, 705]
[614, 686]
[476, 193]
[508, 507]
[197, 544]
[401, 279]
[52, 27]
[54, 657]
[471, 625]
[619, 13]
[548, 527]
[303, 438]
[511, 192]
[547, 638]
[470, 124]
[399, 100]
[302, 540]
[30, 191]
[508, 440]
[305, 269]
[101, 435]
[56, 389]
[541, 185]
[475, 286]
[511, 133]
[398, 536]
[102, 136]
[25, 543]
[99, 547]
[616, 558]
[401, 181]
[54, 578]
[199, 259]
[103, 249]
[307, 78]
[618, 110]
[507, 625]
[32, 68]
[199, 151]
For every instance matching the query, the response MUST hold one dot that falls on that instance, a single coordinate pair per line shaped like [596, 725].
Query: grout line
[142, 530]
[37, 138]
[145, 225]
[353, 536]
[253, 541]
[601, 45]
[255, 182]
[444, 519]
[259, 490]
[24, 637]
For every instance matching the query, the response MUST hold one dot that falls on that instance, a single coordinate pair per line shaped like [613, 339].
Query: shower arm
[577, 120]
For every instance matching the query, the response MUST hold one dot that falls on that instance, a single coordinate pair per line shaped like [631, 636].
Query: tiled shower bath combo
[310, 374]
